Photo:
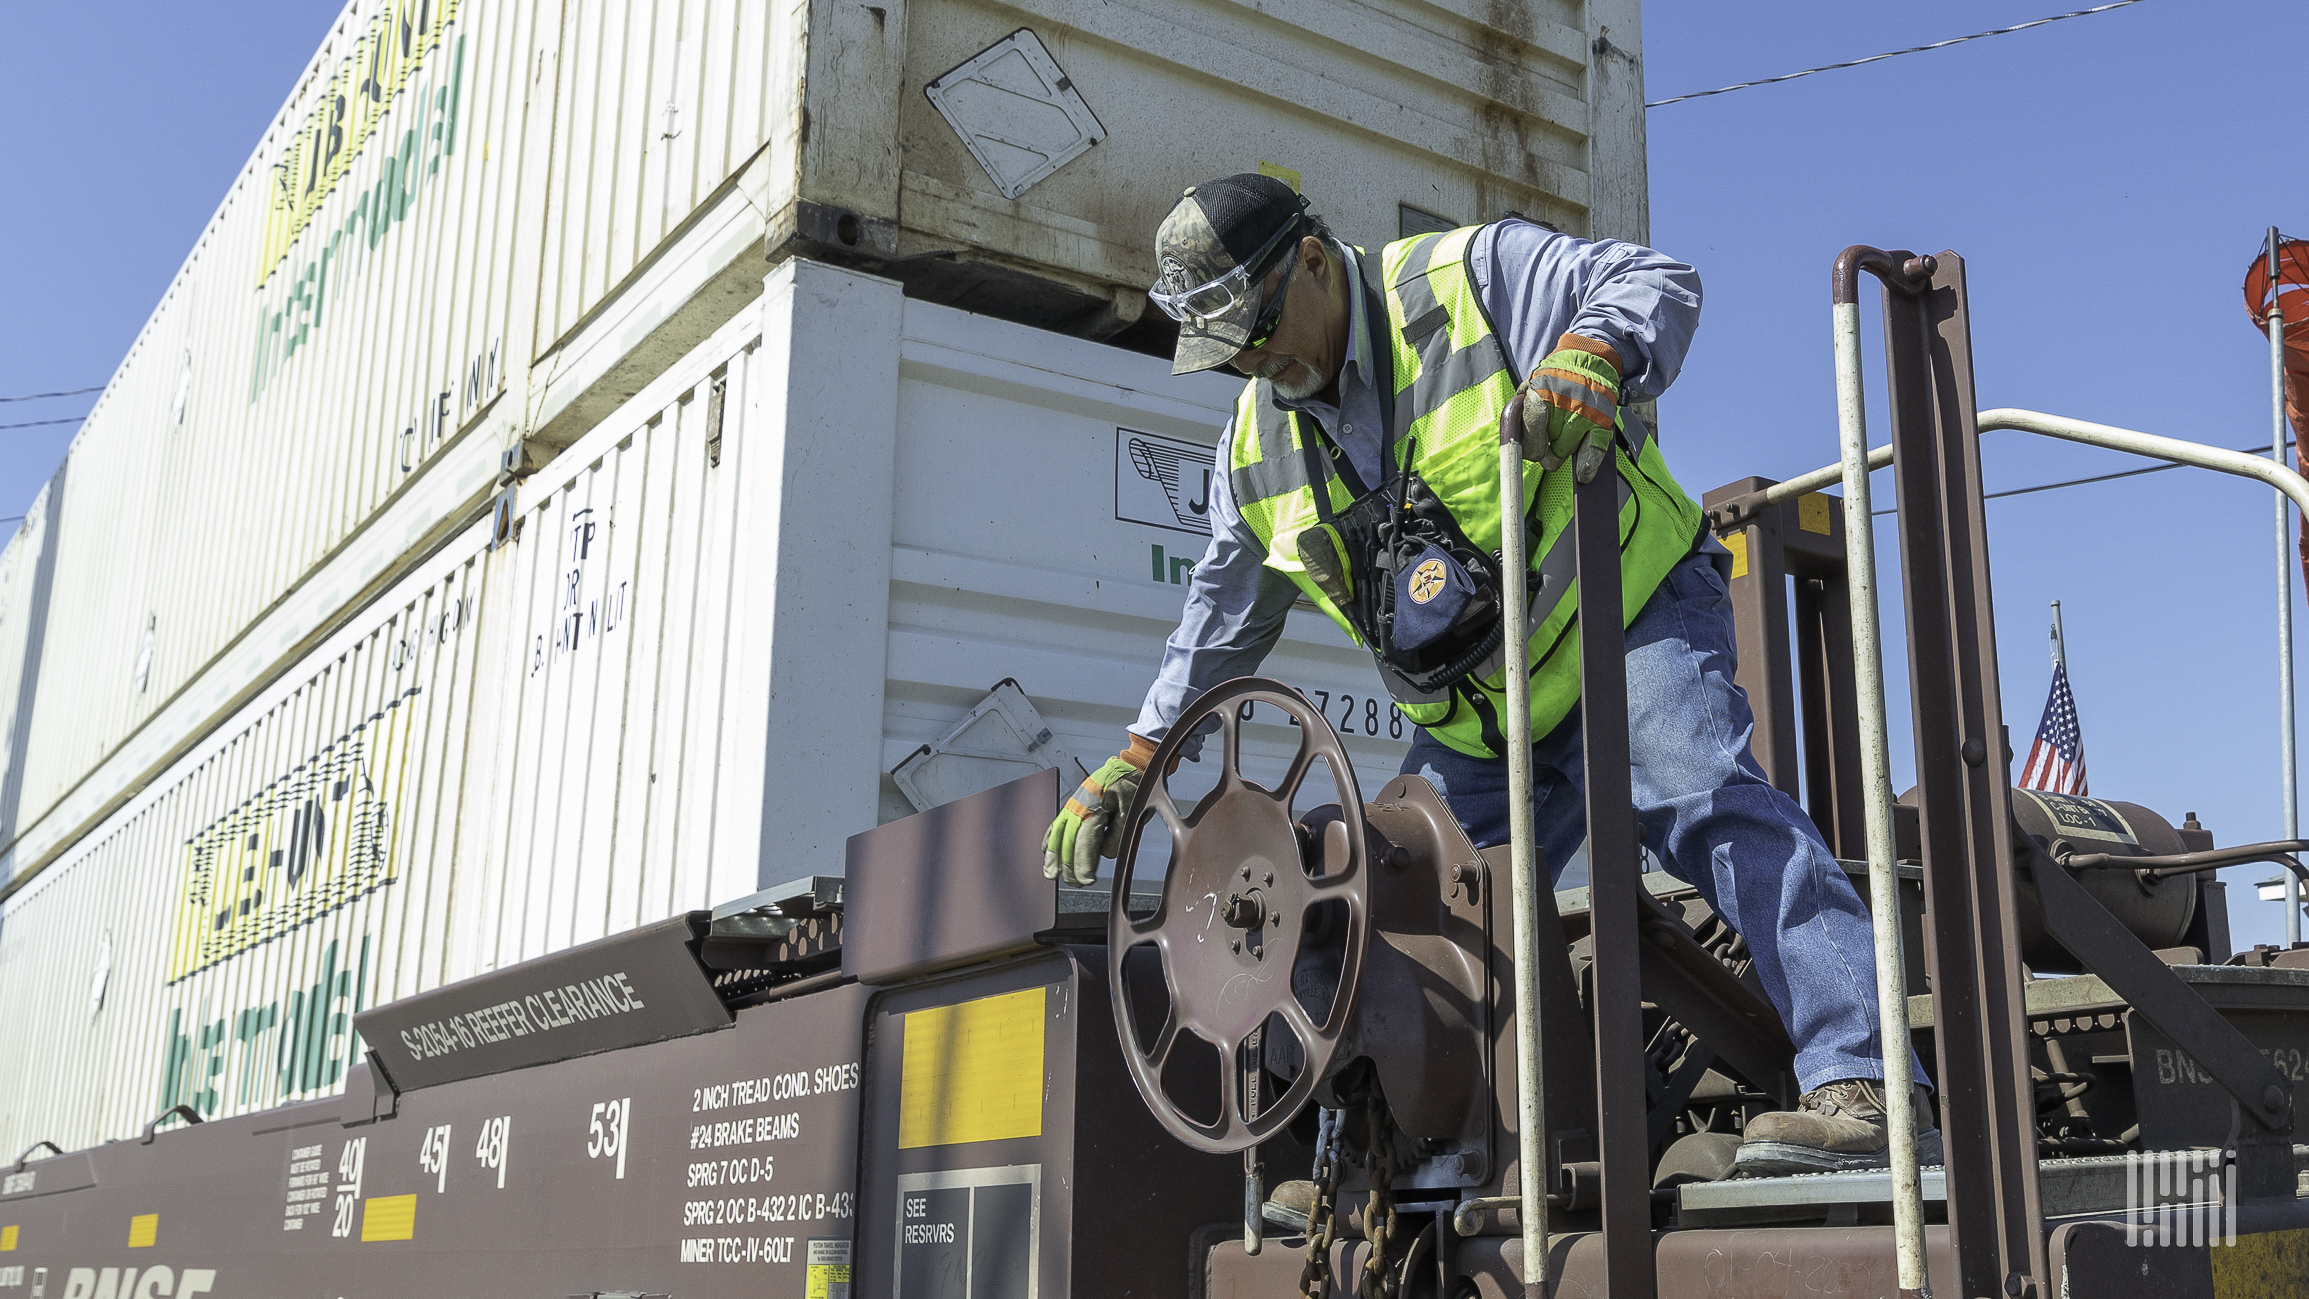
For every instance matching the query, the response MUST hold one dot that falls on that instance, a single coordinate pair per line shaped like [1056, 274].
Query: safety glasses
[1215, 298]
[1271, 315]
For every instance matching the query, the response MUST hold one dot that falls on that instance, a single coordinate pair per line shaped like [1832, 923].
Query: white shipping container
[482, 226]
[659, 693]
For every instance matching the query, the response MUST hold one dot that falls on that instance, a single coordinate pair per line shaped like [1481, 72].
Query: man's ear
[1314, 258]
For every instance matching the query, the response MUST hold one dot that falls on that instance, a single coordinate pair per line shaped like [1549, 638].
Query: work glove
[1573, 406]
[1089, 826]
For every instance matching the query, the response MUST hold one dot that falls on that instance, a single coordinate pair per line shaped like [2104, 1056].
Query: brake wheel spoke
[1159, 1055]
[1302, 762]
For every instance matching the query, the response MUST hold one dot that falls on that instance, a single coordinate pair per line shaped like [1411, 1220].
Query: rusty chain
[1315, 1274]
[1377, 1162]
[1378, 1281]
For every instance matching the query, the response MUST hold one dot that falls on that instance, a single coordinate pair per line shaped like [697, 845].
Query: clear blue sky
[2107, 179]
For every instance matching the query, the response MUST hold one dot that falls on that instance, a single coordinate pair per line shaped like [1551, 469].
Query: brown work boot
[1289, 1204]
[1834, 1128]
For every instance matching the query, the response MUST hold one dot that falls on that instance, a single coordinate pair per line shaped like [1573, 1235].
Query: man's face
[1302, 357]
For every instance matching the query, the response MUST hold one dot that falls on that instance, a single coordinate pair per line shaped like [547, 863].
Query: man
[1360, 470]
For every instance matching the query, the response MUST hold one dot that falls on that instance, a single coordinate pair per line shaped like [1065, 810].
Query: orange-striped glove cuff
[1091, 795]
[1581, 377]
[1578, 387]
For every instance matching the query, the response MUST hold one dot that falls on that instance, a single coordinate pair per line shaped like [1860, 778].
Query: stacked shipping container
[296, 722]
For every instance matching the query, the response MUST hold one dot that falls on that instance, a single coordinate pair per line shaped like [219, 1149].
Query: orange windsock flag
[2290, 296]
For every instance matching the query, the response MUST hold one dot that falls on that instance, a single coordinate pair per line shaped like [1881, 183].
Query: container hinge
[504, 520]
[521, 460]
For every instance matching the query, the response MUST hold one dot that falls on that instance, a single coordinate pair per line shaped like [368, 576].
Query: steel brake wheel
[1240, 863]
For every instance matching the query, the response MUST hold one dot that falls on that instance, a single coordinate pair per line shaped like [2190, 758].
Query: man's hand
[1577, 406]
[1090, 825]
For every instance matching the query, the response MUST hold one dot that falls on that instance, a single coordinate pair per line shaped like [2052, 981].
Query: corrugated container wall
[685, 669]
[410, 804]
[478, 227]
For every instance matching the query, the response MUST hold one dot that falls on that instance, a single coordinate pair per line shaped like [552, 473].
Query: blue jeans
[1711, 817]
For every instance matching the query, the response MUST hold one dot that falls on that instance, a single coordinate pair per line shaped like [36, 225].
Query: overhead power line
[1873, 58]
[2098, 478]
[37, 396]
[38, 423]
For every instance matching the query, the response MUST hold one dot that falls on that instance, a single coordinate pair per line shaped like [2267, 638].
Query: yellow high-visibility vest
[1451, 384]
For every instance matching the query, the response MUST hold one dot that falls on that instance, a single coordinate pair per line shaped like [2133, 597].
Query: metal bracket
[1995, 1211]
[504, 520]
[1615, 848]
[24, 1158]
[2085, 927]
[1693, 988]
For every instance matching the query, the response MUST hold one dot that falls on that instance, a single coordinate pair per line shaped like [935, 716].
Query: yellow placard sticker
[972, 1072]
[143, 1230]
[7, 1240]
[1812, 513]
[1281, 173]
[2262, 1263]
[1737, 543]
[827, 1274]
[389, 1217]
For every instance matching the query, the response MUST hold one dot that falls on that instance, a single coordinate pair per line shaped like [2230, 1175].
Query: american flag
[2056, 762]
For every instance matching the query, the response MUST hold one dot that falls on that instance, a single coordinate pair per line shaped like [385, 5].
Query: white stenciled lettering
[494, 1149]
[607, 1131]
[433, 1156]
[738, 1210]
[536, 1012]
[743, 1170]
[738, 1132]
[307, 1191]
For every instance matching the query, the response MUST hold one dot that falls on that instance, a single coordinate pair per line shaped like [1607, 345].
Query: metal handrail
[1852, 472]
[2177, 450]
[1911, 1266]
[1523, 878]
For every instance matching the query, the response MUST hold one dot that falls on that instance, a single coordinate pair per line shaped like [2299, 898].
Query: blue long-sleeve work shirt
[1538, 286]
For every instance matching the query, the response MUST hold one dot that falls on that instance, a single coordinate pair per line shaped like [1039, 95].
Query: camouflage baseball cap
[1212, 248]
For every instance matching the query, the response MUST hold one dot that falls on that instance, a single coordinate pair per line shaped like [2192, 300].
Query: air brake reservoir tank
[2158, 913]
